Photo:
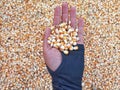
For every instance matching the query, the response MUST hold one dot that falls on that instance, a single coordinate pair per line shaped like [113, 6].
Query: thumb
[80, 31]
[46, 46]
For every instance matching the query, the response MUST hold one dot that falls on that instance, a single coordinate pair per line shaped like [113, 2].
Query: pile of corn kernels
[22, 25]
[63, 37]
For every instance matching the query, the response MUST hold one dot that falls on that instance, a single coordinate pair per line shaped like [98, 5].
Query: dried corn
[64, 37]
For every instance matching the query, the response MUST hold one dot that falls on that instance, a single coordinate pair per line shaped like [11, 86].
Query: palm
[53, 58]
[52, 55]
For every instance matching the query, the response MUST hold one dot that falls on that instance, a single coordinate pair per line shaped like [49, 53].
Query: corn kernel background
[22, 25]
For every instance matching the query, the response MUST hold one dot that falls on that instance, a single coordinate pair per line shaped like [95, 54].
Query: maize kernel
[65, 52]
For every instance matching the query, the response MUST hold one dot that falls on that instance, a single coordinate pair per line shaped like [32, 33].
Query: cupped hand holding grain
[52, 56]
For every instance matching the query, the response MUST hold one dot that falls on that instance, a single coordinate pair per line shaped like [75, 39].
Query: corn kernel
[58, 44]
[56, 30]
[75, 47]
[53, 40]
[65, 52]
[62, 47]
[71, 48]
[58, 40]
[74, 43]
[76, 29]
[49, 42]
[52, 27]
[62, 24]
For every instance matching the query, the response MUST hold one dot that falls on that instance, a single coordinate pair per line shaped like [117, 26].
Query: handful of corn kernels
[64, 37]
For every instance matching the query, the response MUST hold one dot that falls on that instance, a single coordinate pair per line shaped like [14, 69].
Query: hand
[52, 56]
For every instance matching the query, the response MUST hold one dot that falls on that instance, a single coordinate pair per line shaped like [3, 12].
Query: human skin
[52, 56]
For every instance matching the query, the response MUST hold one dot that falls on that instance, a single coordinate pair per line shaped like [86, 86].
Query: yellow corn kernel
[68, 45]
[66, 52]
[61, 36]
[58, 40]
[71, 48]
[66, 27]
[52, 31]
[52, 27]
[63, 30]
[62, 24]
[56, 30]
[58, 44]
[70, 38]
[53, 40]
[71, 42]
[75, 47]
[62, 47]
[69, 26]
[60, 31]
[49, 38]
[74, 43]
[55, 45]
[49, 42]
[65, 40]
[76, 29]
[75, 33]
[64, 37]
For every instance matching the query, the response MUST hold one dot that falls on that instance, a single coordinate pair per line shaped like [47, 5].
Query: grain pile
[22, 24]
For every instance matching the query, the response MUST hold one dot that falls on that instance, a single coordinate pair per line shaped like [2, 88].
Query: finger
[73, 16]
[46, 46]
[65, 12]
[80, 31]
[57, 16]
